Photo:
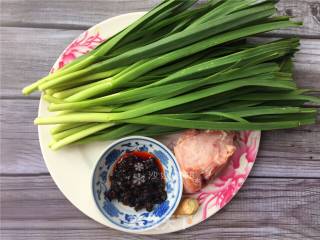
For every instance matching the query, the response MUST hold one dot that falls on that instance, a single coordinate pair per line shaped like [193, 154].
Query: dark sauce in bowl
[138, 181]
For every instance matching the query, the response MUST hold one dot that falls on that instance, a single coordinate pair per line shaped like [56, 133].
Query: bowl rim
[172, 158]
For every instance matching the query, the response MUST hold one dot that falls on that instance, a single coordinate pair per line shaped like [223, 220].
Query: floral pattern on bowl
[126, 217]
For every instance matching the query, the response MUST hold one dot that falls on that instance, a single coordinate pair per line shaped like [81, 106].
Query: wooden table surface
[280, 200]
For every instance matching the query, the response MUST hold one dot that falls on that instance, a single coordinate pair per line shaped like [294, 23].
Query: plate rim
[43, 148]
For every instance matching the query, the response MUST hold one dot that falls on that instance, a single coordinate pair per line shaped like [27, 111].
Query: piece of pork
[202, 154]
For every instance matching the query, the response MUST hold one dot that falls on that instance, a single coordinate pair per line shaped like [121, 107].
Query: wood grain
[19, 149]
[280, 200]
[66, 14]
[263, 209]
[29, 53]
[284, 153]
[305, 11]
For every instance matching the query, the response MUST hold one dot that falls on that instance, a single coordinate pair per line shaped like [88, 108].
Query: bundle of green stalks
[180, 66]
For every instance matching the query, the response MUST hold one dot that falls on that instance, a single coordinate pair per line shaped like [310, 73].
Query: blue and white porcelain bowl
[124, 217]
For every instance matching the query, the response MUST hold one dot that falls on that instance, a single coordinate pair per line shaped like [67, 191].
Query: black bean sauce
[138, 181]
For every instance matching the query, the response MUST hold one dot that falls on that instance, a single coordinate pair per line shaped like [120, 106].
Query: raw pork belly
[201, 154]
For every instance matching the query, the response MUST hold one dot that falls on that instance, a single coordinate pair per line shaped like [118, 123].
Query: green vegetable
[180, 67]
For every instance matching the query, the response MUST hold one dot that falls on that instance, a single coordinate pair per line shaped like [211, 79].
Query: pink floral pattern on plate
[80, 46]
[221, 189]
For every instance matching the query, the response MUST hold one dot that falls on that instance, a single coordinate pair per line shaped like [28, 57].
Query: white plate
[71, 167]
